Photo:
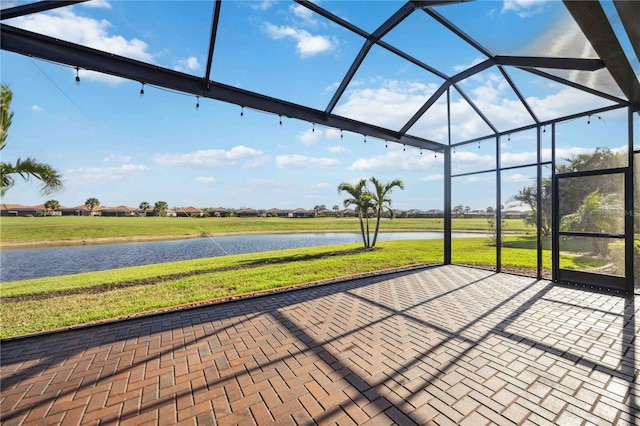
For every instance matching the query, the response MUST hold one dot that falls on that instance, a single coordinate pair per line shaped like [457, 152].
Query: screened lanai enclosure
[544, 93]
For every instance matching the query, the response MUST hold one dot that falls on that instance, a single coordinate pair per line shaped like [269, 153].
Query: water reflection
[19, 264]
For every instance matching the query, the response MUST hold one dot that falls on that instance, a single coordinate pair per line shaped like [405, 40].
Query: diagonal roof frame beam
[353, 28]
[457, 31]
[575, 85]
[629, 12]
[448, 83]
[476, 109]
[40, 6]
[595, 25]
[518, 94]
[212, 42]
[40, 46]
[383, 29]
[469, 40]
[370, 41]
[578, 64]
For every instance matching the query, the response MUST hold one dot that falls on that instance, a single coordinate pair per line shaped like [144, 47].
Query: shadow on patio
[446, 344]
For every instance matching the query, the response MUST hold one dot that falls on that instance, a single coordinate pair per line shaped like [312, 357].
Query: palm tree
[50, 178]
[144, 206]
[160, 208]
[91, 204]
[355, 199]
[51, 206]
[381, 200]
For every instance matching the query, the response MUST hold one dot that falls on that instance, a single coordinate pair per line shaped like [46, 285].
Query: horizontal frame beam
[40, 46]
[41, 6]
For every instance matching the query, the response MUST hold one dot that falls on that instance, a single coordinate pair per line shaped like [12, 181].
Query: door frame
[592, 279]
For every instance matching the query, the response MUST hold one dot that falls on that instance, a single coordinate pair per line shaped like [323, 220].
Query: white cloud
[205, 179]
[518, 177]
[322, 185]
[108, 173]
[301, 161]
[468, 160]
[116, 158]
[36, 108]
[309, 136]
[305, 16]
[459, 68]
[524, 8]
[261, 5]
[307, 44]
[480, 178]
[432, 178]
[64, 24]
[97, 4]
[337, 149]
[210, 157]
[189, 64]
[331, 133]
[394, 160]
[389, 105]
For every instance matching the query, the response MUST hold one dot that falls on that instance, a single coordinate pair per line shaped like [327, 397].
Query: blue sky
[111, 143]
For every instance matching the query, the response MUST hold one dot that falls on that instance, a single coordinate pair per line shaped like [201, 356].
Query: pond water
[20, 264]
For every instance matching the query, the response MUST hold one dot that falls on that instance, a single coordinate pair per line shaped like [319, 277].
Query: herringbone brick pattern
[446, 345]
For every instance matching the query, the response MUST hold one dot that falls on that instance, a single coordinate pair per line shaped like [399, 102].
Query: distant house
[348, 213]
[277, 213]
[17, 210]
[515, 214]
[118, 211]
[41, 209]
[189, 212]
[325, 213]
[417, 213]
[219, 212]
[247, 212]
[79, 211]
[300, 212]
[434, 213]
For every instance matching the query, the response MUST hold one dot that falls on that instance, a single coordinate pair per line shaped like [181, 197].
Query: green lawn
[39, 304]
[74, 229]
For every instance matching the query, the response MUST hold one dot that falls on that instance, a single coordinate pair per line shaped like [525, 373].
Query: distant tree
[91, 204]
[467, 209]
[160, 208]
[493, 225]
[317, 209]
[355, 199]
[458, 210]
[336, 208]
[51, 206]
[144, 206]
[50, 178]
[382, 201]
[529, 196]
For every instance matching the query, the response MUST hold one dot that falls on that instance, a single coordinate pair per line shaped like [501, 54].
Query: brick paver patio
[445, 345]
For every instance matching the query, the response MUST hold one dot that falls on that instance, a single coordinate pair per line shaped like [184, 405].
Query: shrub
[616, 251]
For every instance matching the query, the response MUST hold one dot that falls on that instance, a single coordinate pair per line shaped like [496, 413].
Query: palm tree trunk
[364, 239]
[368, 242]
[375, 234]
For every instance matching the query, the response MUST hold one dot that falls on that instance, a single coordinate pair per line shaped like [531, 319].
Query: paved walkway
[446, 345]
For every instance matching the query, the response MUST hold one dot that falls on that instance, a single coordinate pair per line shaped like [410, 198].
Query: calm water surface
[19, 264]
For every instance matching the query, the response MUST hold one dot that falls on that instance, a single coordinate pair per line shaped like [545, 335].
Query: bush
[616, 252]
